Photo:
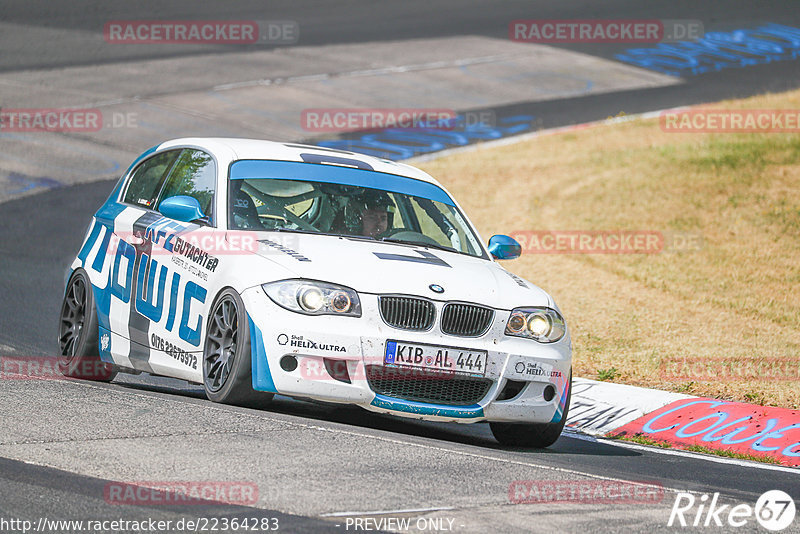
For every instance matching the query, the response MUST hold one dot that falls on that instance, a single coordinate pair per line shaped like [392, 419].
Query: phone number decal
[174, 351]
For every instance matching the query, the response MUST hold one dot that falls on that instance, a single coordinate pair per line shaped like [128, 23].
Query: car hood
[370, 266]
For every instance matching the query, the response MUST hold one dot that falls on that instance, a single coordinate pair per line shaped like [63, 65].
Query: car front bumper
[358, 345]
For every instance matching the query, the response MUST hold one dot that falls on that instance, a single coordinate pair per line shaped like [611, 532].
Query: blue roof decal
[335, 174]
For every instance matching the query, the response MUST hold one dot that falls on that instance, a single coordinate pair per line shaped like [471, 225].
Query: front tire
[227, 376]
[79, 355]
[534, 435]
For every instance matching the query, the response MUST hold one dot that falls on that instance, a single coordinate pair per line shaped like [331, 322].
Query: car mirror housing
[182, 208]
[503, 247]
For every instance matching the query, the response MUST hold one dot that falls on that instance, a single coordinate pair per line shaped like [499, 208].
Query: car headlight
[545, 325]
[314, 298]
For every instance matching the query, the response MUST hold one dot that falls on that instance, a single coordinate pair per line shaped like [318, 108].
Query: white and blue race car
[257, 268]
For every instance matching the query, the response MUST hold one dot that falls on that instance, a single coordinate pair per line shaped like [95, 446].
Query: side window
[194, 175]
[146, 179]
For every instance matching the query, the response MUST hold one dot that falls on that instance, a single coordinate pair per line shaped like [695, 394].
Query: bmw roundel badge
[436, 288]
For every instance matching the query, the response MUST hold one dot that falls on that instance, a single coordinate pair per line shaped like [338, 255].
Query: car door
[135, 208]
[178, 265]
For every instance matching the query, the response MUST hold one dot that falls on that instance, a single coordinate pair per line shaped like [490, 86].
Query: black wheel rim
[73, 316]
[223, 337]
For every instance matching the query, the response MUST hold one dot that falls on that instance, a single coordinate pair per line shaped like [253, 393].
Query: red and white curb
[605, 409]
[598, 408]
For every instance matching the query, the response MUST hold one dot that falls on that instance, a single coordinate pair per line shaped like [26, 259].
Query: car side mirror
[503, 247]
[182, 208]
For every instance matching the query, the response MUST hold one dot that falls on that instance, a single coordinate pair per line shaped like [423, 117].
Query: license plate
[436, 358]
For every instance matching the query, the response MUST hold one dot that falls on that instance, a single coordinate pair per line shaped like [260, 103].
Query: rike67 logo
[774, 510]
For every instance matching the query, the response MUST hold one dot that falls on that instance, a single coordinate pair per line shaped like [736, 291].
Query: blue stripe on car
[400, 405]
[102, 302]
[89, 243]
[334, 174]
[262, 378]
[104, 218]
[562, 404]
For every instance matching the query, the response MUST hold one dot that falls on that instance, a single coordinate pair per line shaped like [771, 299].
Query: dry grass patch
[738, 296]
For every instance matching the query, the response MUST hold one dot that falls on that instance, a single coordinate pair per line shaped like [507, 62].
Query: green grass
[642, 440]
[732, 454]
[607, 375]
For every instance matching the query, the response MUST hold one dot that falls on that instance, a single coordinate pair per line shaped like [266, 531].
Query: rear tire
[227, 371]
[78, 332]
[535, 435]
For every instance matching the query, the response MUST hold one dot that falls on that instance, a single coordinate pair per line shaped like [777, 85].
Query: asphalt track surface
[61, 442]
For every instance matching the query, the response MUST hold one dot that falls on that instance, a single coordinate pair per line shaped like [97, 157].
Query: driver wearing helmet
[373, 211]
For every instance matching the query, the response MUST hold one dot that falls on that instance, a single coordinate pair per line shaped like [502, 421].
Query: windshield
[260, 204]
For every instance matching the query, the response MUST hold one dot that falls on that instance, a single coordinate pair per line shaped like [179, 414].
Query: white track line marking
[384, 512]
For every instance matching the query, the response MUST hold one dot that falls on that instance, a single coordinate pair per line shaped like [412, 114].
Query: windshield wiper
[417, 244]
